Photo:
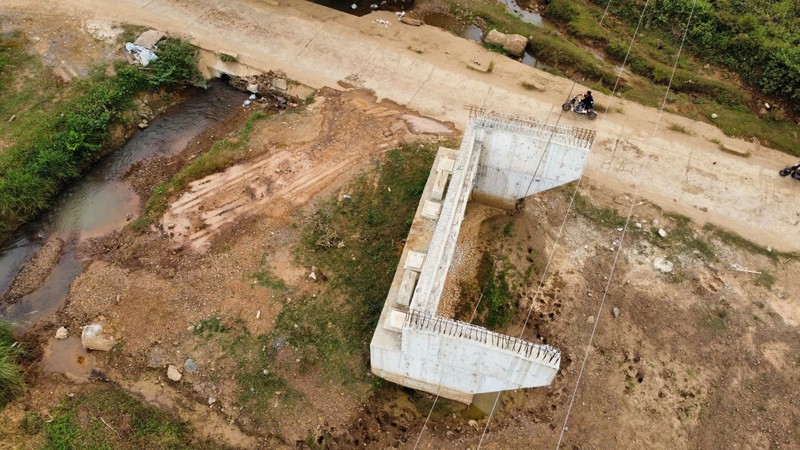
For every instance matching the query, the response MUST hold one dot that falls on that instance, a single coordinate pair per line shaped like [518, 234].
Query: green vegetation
[59, 141]
[682, 237]
[226, 58]
[679, 128]
[264, 276]
[357, 243]
[221, 155]
[497, 307]
[109, 418]
[752, 39]
[731, 238]
[715, 320]
[606, 217]
[765, 280]
[548, 47]
[11, 381]
[210, 326]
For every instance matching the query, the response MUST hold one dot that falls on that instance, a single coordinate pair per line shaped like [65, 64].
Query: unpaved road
[425, 69]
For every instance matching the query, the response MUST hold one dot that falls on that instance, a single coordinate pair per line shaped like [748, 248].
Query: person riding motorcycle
[588, 101]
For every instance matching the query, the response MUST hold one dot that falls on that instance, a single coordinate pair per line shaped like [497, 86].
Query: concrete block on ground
[149, 39]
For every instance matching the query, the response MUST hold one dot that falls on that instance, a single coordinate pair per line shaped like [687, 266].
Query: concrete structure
[502, 159]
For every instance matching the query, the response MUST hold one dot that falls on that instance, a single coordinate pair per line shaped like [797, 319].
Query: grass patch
[357, 242]
[715, 320]
[60, 141]
[735, 240]
[11, 380]
[679, 129]
[264, 276]
[605, 217]
[227, 58]
[765, 280]
[683, 237]
[531, 86]
[210, 326]
[496, 308]
[109, 418]
[221, 155]
[496, 48]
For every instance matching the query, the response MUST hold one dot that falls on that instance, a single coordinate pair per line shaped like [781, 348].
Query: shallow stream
[102, 202]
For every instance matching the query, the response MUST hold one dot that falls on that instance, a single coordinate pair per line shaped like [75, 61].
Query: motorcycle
[794, 171]
[578, 108]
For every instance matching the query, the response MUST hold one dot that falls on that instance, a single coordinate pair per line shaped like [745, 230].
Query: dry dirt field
[706, 355]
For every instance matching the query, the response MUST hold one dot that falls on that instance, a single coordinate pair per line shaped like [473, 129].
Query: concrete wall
[521, 158]
[414, 346]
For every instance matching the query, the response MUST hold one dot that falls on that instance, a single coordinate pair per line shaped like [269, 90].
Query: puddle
[100, 202]
[526, 16]
[473, 33]
[528, 59]
[425, 125]
[68, 357]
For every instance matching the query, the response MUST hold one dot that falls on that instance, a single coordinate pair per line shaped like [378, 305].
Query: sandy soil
[705, 357]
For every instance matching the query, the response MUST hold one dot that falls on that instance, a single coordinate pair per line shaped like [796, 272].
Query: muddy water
[102, 202]
[68, 357]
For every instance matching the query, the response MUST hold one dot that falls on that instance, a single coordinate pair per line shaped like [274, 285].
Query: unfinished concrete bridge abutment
[501, 159]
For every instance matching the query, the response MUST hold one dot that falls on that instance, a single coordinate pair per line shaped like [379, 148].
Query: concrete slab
[414, 260]
[431, 209]
[149, 38]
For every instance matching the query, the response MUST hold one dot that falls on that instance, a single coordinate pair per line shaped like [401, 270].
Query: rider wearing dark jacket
[588, 101]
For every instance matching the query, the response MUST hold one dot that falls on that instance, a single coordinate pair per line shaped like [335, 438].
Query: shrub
[11, 381]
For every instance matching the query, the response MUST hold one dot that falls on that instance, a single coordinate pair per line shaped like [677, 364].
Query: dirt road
[425, 69]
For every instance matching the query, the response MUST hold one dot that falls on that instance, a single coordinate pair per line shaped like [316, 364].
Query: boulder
[662, 265]
[173, 373]
[410, 21]
[280, 84]
[94, 337]
[513, 44]
[62, 333]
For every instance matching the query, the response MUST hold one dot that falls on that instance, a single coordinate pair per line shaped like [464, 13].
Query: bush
[35, 168]
[11, 381]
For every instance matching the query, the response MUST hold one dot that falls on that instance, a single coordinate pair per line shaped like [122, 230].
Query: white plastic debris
[253, 97]
[143, 55]
[400, 13]
[381, 22]
[353, 6]
[246, 103]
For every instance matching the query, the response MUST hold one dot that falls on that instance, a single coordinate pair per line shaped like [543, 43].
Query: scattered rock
[767, 106]
[473, 423]
[173, 373]
[410, 21]
[212, 400]
[662, 233]
[94, 337]
[615, 311]
[62, 333]
[143, 124]
[313, 276]
[252, 87]
[662, 265]
[258, 314]
[714, 115]
[189, 365]
[156, 358]
[280, 84]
